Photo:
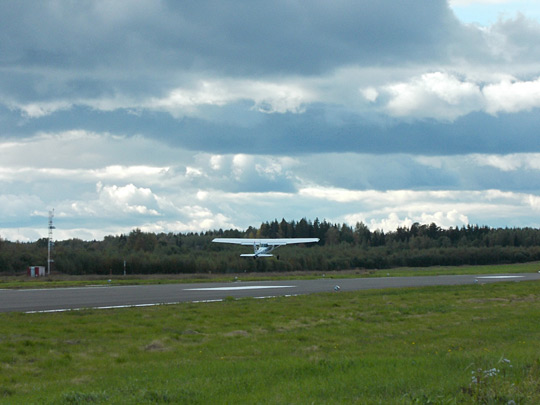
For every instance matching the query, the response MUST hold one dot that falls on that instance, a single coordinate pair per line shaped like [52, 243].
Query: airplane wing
[269, 242]
[258, 255]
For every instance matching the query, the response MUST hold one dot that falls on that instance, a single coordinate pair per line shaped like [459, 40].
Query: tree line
[341, 247]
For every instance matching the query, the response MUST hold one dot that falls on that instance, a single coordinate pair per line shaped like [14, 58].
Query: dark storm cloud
[232, 37]
[311, 133]
[307, 37]
[294, 134]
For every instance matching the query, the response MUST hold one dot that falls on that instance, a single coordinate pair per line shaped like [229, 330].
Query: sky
[188, 116]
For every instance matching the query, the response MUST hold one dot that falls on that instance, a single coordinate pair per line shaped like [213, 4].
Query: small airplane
[263, 247]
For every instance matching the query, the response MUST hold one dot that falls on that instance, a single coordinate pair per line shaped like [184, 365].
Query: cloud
[36, 110]
[239, 38]
[18, 206]
[267, 97]
[515, 39]
[387, 210]
[443, 96]
[183, 116]
[226, 74]
[510, 163]
[434, 95]
[512, 96]
[390, 223]
[128, 199]
[469, 2]
[439, 95]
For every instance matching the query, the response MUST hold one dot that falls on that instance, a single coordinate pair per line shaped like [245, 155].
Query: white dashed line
[500, 277]
[251, 287]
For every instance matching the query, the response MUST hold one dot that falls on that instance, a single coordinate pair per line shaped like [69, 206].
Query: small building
[36, 271]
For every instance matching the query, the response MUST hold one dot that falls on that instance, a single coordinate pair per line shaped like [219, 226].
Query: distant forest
[341, 247]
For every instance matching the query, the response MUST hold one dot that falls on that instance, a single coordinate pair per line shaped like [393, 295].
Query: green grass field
[457, 344]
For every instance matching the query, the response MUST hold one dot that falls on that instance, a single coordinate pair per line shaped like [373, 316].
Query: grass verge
[64, 280]
[456, 344]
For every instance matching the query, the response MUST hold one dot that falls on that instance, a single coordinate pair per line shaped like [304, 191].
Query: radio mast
[50, 244]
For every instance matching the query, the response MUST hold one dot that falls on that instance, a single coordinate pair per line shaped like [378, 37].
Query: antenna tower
[50, 244]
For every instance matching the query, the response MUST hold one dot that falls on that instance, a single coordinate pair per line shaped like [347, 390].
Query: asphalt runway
[63, 299]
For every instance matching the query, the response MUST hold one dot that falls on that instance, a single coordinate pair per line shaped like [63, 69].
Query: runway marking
[85, 287]
[500, 277]
[45, 311]
[250, 287]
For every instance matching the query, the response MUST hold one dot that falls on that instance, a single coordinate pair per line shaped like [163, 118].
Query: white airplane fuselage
[262, 250]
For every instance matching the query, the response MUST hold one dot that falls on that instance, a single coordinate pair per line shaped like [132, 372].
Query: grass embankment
[456, 344]
[64, 280]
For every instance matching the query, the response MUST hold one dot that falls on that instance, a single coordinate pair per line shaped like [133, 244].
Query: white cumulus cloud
[512, 96]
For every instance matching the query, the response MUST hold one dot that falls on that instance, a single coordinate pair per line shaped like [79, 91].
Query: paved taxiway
[61, 299]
